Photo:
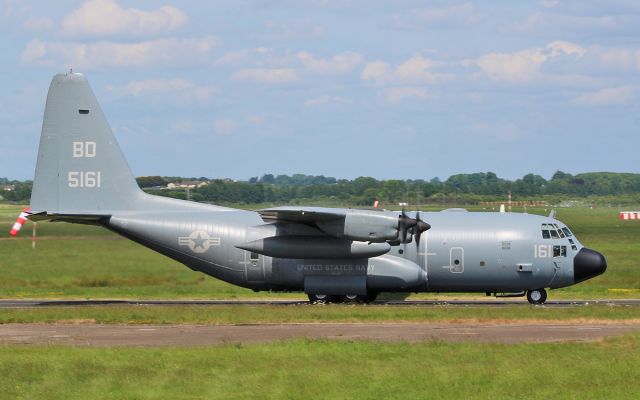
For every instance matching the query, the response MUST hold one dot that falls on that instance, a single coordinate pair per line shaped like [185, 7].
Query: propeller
[405, 223]
[419, 227]
[409, 227]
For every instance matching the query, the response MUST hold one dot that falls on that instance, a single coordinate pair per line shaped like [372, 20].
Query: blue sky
[389, 89]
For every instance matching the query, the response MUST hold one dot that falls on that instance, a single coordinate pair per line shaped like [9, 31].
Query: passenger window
[554, 234]
[545, 234]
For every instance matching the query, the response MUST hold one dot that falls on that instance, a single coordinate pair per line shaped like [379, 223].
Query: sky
[388, 89]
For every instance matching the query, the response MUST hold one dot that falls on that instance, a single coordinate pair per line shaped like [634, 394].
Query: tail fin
[80, 168]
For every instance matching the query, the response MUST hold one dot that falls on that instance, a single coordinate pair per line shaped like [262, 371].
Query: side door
[254, 266]
[456, 260]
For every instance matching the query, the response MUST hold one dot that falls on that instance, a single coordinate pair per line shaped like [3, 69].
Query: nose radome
[587, 264]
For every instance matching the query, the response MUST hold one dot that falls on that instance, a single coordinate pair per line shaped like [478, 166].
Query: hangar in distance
[332, 254]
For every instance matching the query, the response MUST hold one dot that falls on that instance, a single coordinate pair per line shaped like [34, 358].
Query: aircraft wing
[302, 214]
[360, 225]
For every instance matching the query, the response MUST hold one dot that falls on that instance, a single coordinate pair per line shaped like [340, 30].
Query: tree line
[457, 189]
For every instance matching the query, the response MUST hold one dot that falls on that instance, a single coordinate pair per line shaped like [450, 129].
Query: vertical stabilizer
[80, 167]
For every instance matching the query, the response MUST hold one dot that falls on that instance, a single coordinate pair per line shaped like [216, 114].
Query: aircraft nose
[587, 264]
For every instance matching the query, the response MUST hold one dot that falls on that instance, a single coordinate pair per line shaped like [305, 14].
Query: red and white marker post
[19, 222]
[627, 215]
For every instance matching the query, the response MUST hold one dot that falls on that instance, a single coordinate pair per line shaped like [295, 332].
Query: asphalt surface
[35, 303]
[202, 335]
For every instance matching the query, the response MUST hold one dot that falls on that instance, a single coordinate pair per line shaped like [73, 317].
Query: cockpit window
[559, 251]
[567, 231]
[553, 231]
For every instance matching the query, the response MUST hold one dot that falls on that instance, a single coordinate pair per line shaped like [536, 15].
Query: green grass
[253, 314]
[78, 261]
[306, 369]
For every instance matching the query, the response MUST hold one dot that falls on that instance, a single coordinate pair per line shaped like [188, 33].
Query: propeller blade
[419, 227]
[405, 226]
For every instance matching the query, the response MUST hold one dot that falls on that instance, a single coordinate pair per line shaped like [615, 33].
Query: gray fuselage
[462, 252]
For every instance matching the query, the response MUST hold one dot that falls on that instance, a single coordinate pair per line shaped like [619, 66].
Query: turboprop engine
[363, 225]
[325, 233]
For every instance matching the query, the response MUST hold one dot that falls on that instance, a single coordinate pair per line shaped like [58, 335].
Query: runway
[203, 335]
[36, 303]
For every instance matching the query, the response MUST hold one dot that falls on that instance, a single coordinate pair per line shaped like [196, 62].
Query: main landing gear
[349, 298]
[537, 296]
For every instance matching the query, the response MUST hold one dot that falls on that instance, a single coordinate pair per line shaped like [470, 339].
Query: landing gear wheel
[537, 296]
[350, 298]
[369, 298]
[320, 299]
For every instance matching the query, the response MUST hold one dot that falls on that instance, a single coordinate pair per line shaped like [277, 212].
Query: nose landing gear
[537, 296]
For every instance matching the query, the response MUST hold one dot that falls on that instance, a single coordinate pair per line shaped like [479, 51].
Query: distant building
[8, 188]
[187, 184]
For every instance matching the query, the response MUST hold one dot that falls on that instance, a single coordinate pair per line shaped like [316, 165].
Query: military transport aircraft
[331, 254]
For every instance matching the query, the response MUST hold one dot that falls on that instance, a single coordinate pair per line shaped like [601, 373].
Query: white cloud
[107, 54]
[397, 94]
[417, 69]
[265, 64]
[326, 99]
[183, 89]
[224, 126]
[338, 64]
[375, 71]
[520, 66]
[108, 18]
[524, 65]
[560, 47]
[607, 96]
[267, 75]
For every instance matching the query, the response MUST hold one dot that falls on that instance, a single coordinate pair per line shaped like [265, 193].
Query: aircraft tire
[369, 298]
[350, 298]
[537, 296]
[321, 298]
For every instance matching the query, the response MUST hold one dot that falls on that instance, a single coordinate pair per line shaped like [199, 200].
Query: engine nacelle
[314, 247]
[363, 225]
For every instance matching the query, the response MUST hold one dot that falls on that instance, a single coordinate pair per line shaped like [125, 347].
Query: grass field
[77, 261]
[327, 369]
[254, 314]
